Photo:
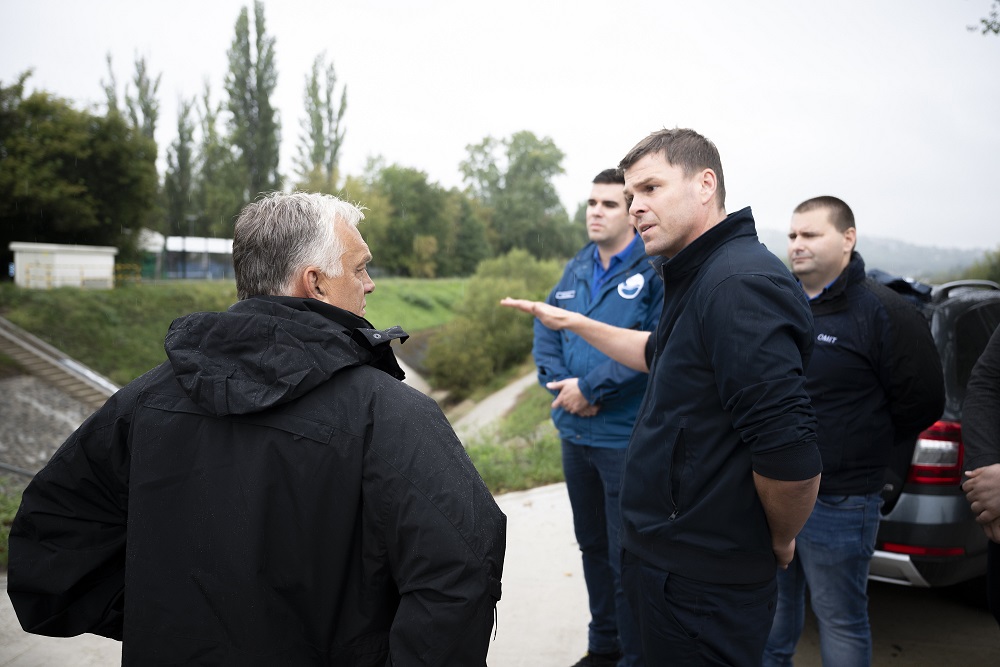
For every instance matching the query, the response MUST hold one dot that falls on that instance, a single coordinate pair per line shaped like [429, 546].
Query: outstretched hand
[551, 317]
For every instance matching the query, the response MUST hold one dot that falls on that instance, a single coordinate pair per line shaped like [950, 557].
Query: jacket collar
[852, 274]
[736, 225]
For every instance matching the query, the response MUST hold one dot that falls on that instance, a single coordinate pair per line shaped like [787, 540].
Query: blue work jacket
[631, 297]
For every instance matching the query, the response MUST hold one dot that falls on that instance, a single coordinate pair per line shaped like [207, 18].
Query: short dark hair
[684, 148]
[610, 176]
[841, 215]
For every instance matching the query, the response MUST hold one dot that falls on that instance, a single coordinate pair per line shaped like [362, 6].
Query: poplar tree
[144, 108]
[178, 183]
[219, 191]
[317, 163]
[254, 126]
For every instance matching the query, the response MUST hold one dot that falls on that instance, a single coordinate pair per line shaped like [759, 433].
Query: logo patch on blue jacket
[632, 286]
[565, 294]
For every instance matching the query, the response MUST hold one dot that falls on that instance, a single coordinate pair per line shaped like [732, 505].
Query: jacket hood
[265, 351]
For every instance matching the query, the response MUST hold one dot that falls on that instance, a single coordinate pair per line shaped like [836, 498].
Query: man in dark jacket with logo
[272, 494]
[722, 467]
[597, 398]
[875, 381]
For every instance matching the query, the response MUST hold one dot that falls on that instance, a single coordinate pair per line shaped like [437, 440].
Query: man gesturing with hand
[722, 467]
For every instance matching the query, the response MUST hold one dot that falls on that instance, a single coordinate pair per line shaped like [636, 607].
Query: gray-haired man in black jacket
[272, 494]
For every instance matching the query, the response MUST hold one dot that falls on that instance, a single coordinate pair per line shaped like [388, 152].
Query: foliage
[255, 131]
[322, 130]
[523, 451]
[988, 268]
[218, 190]
[141, 112]
[484, 338]
[69, 176]
[991, 22]
[178, 183]
[415, 227]
[513, 178]
[144, 109]
[119, 333]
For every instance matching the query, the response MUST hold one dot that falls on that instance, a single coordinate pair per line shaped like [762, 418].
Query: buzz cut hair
[841, 215]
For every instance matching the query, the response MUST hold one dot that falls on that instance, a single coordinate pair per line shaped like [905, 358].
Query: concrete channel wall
[42, 407]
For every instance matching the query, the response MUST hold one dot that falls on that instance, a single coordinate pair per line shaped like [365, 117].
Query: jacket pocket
[654, 475]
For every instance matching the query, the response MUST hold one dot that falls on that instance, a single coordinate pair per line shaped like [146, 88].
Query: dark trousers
[993, 578]
[695, 623]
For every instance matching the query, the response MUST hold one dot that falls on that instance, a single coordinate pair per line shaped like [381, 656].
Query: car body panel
[928, 535]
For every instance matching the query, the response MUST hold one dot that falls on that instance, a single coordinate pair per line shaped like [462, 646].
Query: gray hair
[280, 234]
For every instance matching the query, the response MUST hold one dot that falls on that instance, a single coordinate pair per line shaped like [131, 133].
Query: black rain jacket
[271, 495]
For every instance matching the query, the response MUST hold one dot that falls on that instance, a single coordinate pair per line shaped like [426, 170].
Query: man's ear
[707, 183]
[851, 238]
[308, 284]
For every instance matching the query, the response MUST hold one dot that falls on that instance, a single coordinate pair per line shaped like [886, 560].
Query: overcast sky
[892, 105]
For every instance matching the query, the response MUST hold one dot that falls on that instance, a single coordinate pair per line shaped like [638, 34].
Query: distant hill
[928, 263]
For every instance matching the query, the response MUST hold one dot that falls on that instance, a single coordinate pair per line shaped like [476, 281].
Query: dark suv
[928, 536]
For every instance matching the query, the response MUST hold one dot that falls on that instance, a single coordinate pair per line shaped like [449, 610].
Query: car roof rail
[942, 292]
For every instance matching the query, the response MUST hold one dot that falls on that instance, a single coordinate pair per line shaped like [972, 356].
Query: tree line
[69, 175]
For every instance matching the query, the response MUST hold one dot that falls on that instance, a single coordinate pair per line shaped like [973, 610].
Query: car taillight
[937, 458]
[911, 550]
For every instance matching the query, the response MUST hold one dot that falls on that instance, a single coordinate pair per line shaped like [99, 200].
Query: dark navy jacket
[875, 379]
[726, 398]
[629, 298]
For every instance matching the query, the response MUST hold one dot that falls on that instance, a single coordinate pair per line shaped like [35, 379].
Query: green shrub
[484, 338]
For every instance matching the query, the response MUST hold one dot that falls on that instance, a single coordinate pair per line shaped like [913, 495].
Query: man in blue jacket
[875, 381]
[722, 467]
[597, 398]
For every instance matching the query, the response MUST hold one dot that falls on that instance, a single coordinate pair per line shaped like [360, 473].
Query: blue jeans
[593, 480]
[832, 556]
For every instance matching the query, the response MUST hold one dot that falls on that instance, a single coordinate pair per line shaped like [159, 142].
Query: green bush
[484, 338]
[988, 268]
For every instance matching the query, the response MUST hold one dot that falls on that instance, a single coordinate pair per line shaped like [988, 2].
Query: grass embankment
[119, 333]
[523, 450]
